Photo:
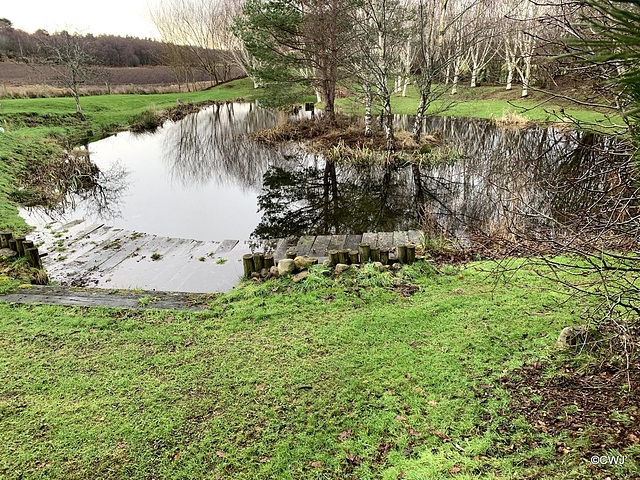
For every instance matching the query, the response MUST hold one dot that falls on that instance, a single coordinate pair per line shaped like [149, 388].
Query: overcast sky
[117, 17]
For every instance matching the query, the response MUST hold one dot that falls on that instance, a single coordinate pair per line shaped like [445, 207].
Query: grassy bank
[359, 379]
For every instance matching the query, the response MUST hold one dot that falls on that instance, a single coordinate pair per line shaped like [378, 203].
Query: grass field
[314, 380]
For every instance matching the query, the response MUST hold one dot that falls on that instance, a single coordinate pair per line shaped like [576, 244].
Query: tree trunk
[422, 105]
[388, 122]
[367, 112]
[474, 76]
[526, 77]
[509, 75]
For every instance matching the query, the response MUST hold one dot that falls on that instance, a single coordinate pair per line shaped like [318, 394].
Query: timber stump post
[20, 246]
[4, 239]
[247, 264]
[384, 256]
[33, 257]
[364, 249]
[411, 253]
[402, 254]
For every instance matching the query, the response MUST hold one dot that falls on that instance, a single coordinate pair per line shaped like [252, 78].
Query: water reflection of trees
[532, 176]
[211, 146]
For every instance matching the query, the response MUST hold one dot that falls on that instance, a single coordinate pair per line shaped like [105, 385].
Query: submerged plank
[415, 236]
[400, 238]
[371, 238]
[304, 245]
[352, 242]
[337, 242]
[320, 246]
[385, 239]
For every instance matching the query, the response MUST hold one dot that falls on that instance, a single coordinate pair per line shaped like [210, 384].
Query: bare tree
[69, 56]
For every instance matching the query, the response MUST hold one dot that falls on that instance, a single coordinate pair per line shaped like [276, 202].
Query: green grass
[313, 380]
[492, 102]
[107, 112]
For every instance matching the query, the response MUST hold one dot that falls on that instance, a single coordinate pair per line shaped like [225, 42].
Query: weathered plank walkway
[93, 297]
[97, 255]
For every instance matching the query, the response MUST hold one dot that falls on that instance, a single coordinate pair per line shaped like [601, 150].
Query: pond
[202, 178]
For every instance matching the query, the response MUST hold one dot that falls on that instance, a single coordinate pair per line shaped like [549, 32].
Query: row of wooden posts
[22, 246]
[405, 254]
[256, 262]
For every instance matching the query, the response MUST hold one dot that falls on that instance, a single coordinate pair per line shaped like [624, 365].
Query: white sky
[117, 17]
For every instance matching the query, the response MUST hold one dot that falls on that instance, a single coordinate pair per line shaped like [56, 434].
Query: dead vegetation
[346, 134]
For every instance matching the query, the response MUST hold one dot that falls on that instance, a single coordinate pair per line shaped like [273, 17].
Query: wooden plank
[371, 238]
[304, 245]
[415, 236]
[320, 246]
[337, 242]
[352, 242]
[385, 239]
[400, 238]
[280, 251]
[226, 246]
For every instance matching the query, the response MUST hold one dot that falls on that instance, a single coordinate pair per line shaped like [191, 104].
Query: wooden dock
[101, 256]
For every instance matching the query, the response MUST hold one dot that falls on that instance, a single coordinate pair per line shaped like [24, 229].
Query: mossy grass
[345, 378]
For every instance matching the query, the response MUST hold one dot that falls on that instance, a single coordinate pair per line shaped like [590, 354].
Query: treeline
[105, 50]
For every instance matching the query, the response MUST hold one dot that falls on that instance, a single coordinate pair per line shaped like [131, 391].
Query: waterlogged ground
[370, 377]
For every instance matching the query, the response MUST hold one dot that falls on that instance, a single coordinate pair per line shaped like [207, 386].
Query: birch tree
[380, 39]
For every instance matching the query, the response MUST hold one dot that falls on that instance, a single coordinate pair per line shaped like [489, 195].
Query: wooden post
[353, 257]
[27, 244]
[292, 253]
[19, 247]
[411, 253]
[384, 256]
[258, 262]
[247, 263]
[402, 253]
[269, 261]
[33, 257]
[343, 256]
[333, 257]
[364, 249]
[12, 245]
[4, 239]
[375, 254]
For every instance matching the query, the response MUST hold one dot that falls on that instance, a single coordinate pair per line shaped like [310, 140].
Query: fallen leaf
[93, 330]
[316, 464]
[400, 419]
[176, 457]
[260, 387]
[353, 459]
[408, 375]
[344, 435]
[633, 438]
[413, 433]
[440, 434]
[265, 459]
[433, 403]
[417, 389]
[221, 454]
[454, 470]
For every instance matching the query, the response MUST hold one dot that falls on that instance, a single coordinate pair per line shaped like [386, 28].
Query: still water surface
[202, 178]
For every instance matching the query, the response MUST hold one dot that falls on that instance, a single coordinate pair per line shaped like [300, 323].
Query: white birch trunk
[368, 121]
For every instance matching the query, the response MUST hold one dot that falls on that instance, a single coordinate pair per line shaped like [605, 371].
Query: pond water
[202, 178]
